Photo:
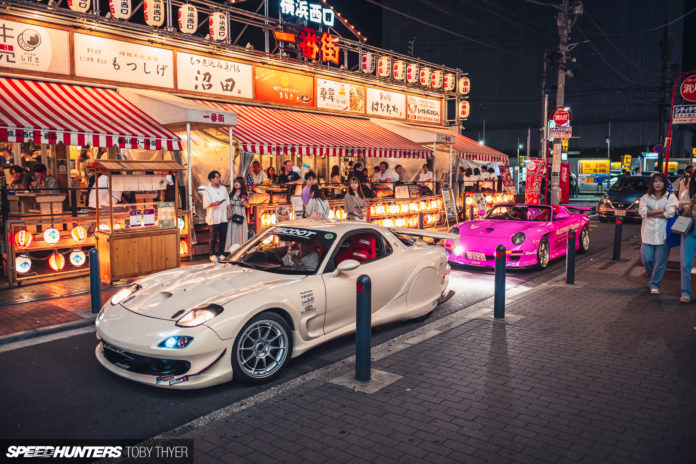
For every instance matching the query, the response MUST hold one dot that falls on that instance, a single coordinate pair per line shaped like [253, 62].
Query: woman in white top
[655, 208]
[317, 206]
[238, 229]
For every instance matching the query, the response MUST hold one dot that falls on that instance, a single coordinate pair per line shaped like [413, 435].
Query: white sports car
[287, 290]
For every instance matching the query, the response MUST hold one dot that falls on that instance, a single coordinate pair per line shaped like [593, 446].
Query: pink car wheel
[543, 253]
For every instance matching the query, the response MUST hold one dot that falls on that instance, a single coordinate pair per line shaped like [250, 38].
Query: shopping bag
[682, 225]
[673, 238]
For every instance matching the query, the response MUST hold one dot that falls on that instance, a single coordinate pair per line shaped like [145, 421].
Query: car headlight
[123, 294]
[519, 238]
[199, 316]
[606, 201]
[176, 342]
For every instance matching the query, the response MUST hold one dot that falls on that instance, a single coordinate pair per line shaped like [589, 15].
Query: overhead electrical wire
[656, 28]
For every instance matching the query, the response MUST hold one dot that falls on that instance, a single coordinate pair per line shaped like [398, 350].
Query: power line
[606, 62]
[656, 28]
[535, 27]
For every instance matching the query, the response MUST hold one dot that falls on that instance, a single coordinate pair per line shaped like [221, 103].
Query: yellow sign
[616, 165]
[564, 145]
[672, 166]
[693, 151]
[521, 160]
[627, 160]
[593, 166]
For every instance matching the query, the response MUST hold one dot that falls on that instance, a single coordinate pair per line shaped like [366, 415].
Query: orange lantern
[372, 210]
[404, 207]
[421, 206]
[183, 248]
[22, 238]
[56, 261]
[413, 207]
[79, 234]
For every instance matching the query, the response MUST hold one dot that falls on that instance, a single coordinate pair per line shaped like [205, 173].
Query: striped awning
[469, 149]
[285, 132]
[47, 112]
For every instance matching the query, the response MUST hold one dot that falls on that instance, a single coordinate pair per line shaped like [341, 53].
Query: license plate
[620, 212]
[475, 256]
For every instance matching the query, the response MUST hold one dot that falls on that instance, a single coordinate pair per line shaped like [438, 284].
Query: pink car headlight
[459, 250]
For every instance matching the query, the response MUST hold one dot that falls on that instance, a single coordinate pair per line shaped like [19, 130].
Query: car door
[561, 227]
[341, 289]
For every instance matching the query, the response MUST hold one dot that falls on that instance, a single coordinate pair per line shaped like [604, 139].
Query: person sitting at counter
[398, 173]
[383, 174]
[272, 176]
[289, 176]
[43, 182]
[20, 178]
[103, 188]
[358, 172]
[425, 178]
[256, 175]
[336, 175]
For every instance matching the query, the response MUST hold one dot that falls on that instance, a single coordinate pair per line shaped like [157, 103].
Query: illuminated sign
[385, 103]
[309, 11]
[423, 109]
[284, 87]
[593, 166]
[340, 96]
[627, 160]
[616, 165]
[310, 45]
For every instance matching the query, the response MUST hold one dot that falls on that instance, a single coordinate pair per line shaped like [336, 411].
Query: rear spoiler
[579, 209]
[427, 233]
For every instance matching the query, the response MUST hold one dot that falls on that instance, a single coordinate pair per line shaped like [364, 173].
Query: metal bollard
[94, 282]
[363, 328]
[617, 241]
[420, 219]
[499, 295]
[471, 212]
[570, 258]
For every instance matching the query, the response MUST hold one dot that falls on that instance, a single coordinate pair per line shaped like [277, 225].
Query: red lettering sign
[561, 117]
[688, 88]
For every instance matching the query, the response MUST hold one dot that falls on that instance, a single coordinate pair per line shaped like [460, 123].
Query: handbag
[673, 238]
[682, 225]
[237, 218]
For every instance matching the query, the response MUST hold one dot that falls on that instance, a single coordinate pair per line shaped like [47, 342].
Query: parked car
[622, 199]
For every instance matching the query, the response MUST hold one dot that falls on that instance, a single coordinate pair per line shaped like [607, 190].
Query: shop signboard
[559, 132]
[313, 12]
[594, 167]
[616, 165]
[535, 174]
[684, 114]
[34, 48]
[565, 183]
[213, 76]
[627, 159]
[450, 205]
[508, 181]
[480, 203]
[340, 96]
[284, 87]
[114, 60]
[688, 88]
[385, 103]
[424, 109]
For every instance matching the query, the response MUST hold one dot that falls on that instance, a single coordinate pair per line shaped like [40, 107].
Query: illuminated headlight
[123, 294]
[606, 201]
[99, 317]
[634, 204]
[176, 342]
[199, 316]
[519, 238]
[459, 250]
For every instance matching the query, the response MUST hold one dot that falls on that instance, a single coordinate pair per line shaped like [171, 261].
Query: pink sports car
[532, 234]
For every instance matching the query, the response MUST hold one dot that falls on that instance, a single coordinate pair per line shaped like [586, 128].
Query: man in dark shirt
[357, 172]
[289, 176]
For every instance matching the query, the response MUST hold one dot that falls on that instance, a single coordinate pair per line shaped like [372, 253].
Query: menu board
[340, 96]
[284, 87]
[35, 48]
[593, 166]
[213, 76]
[424, 109]
[450, 205]
[101, 58]
[385, 103]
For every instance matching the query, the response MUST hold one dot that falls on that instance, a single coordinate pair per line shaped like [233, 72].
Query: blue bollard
[363, 328]
[570, 258]
[499, 295]
[94, 282]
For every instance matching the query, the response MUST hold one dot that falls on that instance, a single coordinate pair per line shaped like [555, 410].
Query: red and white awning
[47, 112]
[285, 132]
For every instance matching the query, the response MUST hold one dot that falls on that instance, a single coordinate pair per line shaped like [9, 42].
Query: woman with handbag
[656, 207]
[687, 206]
[237, 230]
[317, 206]
[354, 202]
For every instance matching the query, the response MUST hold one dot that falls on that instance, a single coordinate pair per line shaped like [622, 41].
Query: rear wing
[579, 209]
[427, 233]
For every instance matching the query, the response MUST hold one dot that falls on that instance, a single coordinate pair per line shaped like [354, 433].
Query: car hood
[495, 228]
[624, 197]
[166, 293]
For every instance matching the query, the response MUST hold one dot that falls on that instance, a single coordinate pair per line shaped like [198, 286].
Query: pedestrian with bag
[656, 207]
[216, 202]
[685, 224]
[354, 202]
[238, 230]
[317, 206]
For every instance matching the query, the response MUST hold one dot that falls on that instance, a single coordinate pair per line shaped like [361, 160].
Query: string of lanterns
[56, 260]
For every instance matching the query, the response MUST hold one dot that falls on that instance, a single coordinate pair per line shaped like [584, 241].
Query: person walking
[317, 206]
[216, 202]
[354, 202]
[687, 207]
[655, 208]
[237, 228]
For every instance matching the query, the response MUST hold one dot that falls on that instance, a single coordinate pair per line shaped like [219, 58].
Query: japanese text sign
[284, 87]
[26, 46]
[214, 76]
[340, 96]
[593, 167]
[311, 45]
[684, 114]
[424, 109]
[312, 12]
[688, 88]
[384, 103]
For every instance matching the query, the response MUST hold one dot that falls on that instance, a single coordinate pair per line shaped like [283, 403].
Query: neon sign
[310, 45]
[309, 11]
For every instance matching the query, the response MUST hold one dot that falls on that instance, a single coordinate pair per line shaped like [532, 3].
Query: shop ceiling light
[51, 236]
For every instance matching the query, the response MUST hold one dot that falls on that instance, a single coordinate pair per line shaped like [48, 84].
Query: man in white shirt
[103, 188]
[257, 174]
[426, 178]
[396, 175]
[384, 174]
[484, 178]
[216, 201]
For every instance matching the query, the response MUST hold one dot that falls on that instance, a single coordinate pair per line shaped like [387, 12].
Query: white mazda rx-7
[287, 290]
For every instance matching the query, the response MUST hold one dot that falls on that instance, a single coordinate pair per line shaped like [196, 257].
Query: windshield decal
[296, 232]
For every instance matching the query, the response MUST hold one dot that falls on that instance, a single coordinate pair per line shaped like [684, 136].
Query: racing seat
[362, 247]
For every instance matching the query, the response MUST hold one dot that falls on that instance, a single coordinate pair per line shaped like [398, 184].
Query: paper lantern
[153, 10]
[436, 80]
[217, 26]
[77, 258]
[22, 264]
[81, 6]
[181, 224]
[425, 76]
[464, 85]
[51, 236]
[449, 82]
[56, 261]
[183, 248]
[104, 228]
[188, 18]
[368, 63]
[384, 66]
[399, 70]
[412, 73]
[120, 9]
[22, 238]
[79, 234]
[464, 109]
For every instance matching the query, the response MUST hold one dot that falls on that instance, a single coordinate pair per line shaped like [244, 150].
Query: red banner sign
[535, 173]
[565, 183]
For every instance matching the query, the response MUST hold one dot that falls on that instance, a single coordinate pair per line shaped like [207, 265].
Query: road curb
[33, 333]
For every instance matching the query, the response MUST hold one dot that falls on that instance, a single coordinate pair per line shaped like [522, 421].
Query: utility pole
[666, 55]
[544, 110]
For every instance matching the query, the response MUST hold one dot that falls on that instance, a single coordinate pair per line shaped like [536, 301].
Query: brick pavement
[596, 372]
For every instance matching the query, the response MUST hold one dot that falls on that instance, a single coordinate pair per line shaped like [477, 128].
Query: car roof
[329, 225]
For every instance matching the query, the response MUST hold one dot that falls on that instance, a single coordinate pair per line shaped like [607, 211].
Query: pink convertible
[533, 234]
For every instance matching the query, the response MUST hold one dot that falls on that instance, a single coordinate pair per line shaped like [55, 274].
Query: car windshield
[630, 184]
[286, 250]
[520, 213]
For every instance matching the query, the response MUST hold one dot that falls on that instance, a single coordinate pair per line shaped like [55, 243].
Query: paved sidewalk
[593, 373]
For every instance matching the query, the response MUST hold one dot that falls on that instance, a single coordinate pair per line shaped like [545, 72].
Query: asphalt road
[58, 389]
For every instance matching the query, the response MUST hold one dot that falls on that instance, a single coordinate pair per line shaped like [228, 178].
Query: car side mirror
[562, 216]
[345, 266]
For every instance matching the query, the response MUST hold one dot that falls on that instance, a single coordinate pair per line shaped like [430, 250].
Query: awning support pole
[451, 163]
[231, 158]
[188, 166]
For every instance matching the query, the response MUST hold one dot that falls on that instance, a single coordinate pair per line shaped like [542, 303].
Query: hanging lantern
[425, 77]
[56, 261]
[104, 228]
[384, 66]
[77, 257]
[463, 109]
[399, 70]
[120, 9]
[22, 264]
[51, 236]
[153, 11]
[22, 238]
[217, 25]
[183, 248]
[368, 63]
[412, 73]
[79, 234]
[436, 80]
[188, 18]
[449, 81]
[464, 85]
[81, 6]
[181, 224]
